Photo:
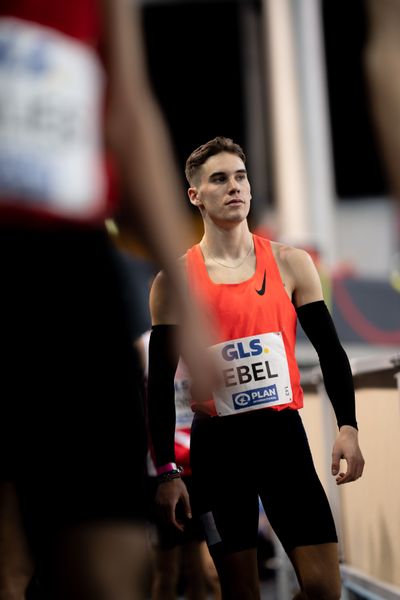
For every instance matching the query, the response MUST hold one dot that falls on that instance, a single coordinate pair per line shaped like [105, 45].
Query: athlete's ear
[194, 196]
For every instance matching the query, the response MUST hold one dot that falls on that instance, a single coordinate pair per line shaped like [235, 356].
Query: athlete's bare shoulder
[162, 306]
[288, 259]
[289, 256]
[294, 261]
[298, 272]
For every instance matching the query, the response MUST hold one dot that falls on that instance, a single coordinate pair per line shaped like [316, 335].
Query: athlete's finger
[172, 517]
[335, 462]
[186, 506]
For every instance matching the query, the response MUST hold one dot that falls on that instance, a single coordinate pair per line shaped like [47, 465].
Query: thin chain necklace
[239, 264]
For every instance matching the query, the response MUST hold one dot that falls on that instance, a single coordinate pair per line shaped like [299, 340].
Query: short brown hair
[199, 156]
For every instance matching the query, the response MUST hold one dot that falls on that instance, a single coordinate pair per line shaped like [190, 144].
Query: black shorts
[72, 431]
[262, 453]
[168, 536]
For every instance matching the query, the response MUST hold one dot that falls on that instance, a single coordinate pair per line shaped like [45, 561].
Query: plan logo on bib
[262, 395]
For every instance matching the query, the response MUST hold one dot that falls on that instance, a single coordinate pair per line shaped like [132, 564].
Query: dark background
[195, 60]
[195, 63]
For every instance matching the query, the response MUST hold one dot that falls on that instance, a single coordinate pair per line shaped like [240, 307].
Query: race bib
[51, 88]
[255, 374]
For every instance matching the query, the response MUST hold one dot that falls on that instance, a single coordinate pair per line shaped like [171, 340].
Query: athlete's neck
[227, 245]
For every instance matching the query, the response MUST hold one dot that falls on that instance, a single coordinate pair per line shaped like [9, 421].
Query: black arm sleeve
[318, 325]
[163, 361]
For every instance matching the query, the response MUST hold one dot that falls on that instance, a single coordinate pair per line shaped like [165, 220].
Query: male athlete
[248, 439]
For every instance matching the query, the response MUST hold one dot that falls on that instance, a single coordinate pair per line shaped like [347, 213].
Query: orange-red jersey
[254, 327]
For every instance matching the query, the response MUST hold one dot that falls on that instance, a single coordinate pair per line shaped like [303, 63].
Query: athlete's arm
[163, 361]
[318, 325]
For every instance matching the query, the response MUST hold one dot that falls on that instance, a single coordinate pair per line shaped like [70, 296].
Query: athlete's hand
[169, 495]
[346, 447]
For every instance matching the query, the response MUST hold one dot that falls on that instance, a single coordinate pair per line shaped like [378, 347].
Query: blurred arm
[140, 142]
[382, 62]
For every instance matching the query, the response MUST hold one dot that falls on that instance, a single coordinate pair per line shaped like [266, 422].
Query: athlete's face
[223, 191]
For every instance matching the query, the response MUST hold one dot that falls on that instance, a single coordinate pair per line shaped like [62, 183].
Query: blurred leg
[16, 564]
[101, 562]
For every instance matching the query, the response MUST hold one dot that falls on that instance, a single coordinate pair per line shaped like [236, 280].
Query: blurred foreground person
[73, 440]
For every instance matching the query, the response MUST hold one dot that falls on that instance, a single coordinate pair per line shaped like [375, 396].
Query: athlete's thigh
[224, 494]
[293, 497]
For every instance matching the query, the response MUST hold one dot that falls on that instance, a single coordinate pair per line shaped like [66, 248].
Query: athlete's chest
[257, 278]
[258, 304]
[223, 275]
